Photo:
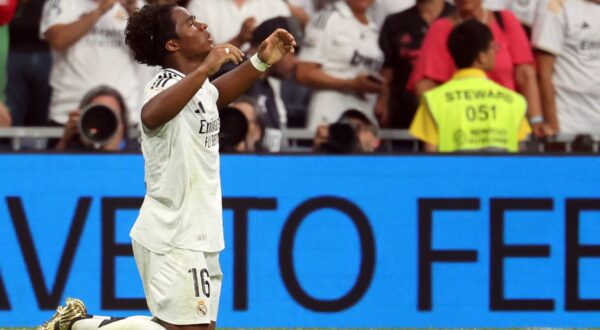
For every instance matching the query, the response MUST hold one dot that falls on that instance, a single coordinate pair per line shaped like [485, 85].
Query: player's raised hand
[220, 55]
[278, 44]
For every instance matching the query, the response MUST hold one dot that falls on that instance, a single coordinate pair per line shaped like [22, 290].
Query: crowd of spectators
[360, 66]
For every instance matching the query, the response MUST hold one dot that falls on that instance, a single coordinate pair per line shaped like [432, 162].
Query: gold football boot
[73, 310]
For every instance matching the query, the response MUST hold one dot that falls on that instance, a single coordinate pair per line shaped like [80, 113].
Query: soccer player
[179, 232]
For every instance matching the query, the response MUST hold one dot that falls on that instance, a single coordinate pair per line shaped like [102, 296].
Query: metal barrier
[35, 138]
[291, 137]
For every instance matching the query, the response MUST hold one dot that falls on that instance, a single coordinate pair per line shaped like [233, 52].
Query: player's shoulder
[164, 78]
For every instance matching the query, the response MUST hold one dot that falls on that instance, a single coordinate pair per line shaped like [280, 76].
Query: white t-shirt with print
[100, 57]
[570, 30]
[345, 48]
[224, 18]
[182, 207]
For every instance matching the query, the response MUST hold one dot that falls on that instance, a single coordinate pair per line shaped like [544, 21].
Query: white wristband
[258, 64]
[536, 120]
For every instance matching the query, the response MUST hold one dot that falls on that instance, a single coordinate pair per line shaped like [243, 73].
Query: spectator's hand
[220, 55]
[245, 34]
[105, 5]
[382, 112]
[71, 130]
[5, 118]
[541, 130]
[277, 45]
[321, 136]
[365, 84]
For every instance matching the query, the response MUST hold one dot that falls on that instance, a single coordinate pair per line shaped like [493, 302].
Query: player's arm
[235, 82]
[62, 36]
[163, 107]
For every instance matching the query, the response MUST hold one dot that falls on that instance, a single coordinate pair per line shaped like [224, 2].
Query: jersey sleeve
[518, 43]
[58, 12]
[548, 29]
[423, 126]
[316, 38]
[434, 62]
[156, 86]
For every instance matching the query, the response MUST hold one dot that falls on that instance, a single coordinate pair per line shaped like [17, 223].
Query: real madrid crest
[201, 308]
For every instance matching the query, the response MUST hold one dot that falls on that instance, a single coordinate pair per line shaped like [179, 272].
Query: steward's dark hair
[467, 40]
[147, 32]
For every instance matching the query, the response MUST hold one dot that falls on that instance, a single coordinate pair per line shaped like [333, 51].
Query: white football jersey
[182, 207]
[571, 31]
[344, 48]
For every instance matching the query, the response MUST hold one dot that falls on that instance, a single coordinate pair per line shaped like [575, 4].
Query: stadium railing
[35, 138]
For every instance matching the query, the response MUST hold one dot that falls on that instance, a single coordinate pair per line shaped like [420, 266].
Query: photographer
[241, 127]
[352, 133]
[93, 126]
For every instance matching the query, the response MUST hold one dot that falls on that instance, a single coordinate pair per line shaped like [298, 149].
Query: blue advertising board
[323, 241]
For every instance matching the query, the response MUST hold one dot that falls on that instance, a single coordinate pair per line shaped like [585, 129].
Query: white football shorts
[182, 287]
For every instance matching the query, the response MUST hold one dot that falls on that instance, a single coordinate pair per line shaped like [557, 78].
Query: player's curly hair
[147, 32]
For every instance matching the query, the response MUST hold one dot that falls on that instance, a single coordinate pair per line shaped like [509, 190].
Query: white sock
[105, 323]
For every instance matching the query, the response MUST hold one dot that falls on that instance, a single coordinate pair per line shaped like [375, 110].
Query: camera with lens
[233, 128]
[352, 133]
[98, 124]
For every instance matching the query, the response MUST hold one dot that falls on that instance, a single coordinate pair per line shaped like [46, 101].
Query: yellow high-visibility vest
[474, 113]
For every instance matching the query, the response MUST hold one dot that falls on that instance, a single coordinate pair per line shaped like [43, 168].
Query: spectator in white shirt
[233, 21]
[88, 44]
[566, 36]
[340, 60]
